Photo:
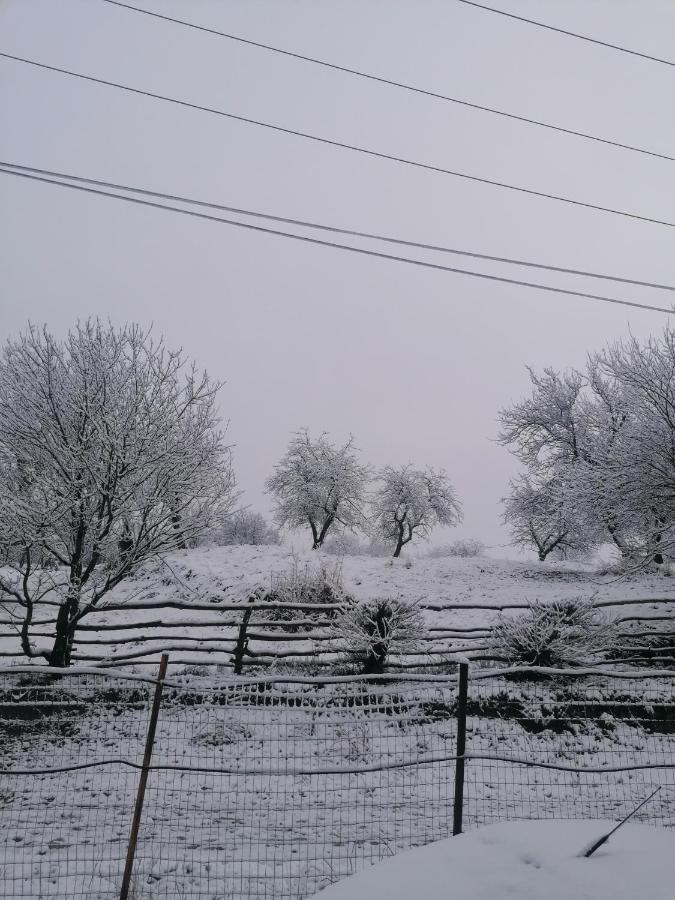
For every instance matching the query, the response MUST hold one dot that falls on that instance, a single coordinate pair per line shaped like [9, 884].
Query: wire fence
[273, 788]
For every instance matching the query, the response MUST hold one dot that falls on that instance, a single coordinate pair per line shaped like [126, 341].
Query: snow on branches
[110, 454]
[555, 634]
[370, 632]
[598, 448]
[320, 485]
[409, 501]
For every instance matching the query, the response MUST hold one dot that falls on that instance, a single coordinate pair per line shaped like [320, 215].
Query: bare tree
[320, 485]
[110, 455]
[411, 501]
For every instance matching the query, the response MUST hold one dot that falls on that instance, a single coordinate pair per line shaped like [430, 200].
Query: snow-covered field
[528, 860]
[300, 784]
[276, 790]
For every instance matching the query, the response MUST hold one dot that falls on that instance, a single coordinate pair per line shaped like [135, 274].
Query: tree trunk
[399, 542]
[614, 534]
[318, 541]
[176, 522]
[658, 556]
[65, 633]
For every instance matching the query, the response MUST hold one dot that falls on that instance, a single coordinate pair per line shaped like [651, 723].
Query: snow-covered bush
[246, 527]
[370, 632]
[464, 549]
[312, 584]
[554, 634]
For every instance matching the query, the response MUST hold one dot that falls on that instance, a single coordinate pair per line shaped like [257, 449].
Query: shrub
[246, 527]
[320, 584]
[372, 631]
[464, 549]
[554, 634]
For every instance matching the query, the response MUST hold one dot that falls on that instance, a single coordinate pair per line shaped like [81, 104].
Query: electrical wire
[390, 81]
[346, 247]
[342, 145]
[334, 229]
[574, 34]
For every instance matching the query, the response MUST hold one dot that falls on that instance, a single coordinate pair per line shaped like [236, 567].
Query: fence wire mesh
[577, 722]
[275, 788]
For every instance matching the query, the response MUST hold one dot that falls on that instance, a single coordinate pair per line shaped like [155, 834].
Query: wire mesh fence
[273, 788]
[554, 725]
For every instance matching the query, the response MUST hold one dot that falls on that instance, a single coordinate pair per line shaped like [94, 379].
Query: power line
[344, 146]
[574, 34]
[334, 229]
[390, 81]
[346, 247]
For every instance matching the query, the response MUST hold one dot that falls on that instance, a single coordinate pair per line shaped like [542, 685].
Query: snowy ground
[527, 860]
[225, 575]
[315, 788]
[298, 786]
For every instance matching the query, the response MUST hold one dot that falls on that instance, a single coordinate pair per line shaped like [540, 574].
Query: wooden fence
[247, 634]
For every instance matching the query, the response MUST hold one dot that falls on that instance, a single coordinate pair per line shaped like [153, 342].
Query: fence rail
[272, 787]
[255, 638]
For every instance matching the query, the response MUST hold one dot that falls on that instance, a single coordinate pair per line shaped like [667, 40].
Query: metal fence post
[461, 747]
[140, 795]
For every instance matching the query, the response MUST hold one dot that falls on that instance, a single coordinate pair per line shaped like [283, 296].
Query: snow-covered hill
[458, 595]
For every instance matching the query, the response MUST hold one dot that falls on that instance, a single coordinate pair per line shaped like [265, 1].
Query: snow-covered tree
[640, 464]
[548, 426]
[411, 502]
[563, 434]
[320, 485]
[540, 515]
[110, 454]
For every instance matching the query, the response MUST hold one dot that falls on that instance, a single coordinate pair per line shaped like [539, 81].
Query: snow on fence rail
[235, 641]
[273, 787]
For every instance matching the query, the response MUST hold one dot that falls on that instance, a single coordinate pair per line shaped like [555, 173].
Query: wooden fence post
[140, 795]
[241, 647]
[461, 748]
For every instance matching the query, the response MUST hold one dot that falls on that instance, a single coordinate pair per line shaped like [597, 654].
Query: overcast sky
[414, 363]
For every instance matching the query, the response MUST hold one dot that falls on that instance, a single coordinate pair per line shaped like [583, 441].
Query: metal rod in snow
[140, 796]
[588, 851]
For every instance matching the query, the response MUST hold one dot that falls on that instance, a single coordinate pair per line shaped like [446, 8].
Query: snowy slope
[466, 592]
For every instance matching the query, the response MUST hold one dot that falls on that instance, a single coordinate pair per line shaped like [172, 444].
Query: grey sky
[414, 363]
